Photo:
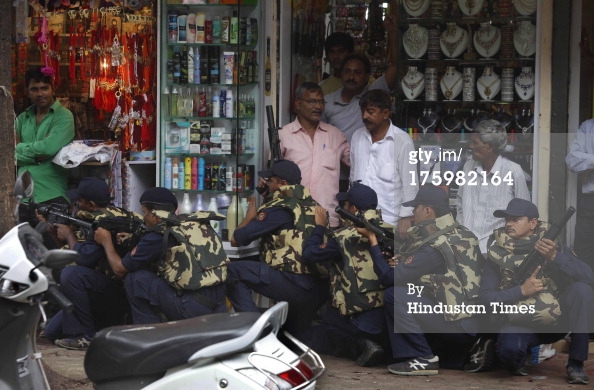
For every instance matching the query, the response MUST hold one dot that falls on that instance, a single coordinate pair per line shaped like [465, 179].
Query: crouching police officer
[444, 262]
[560, 296]
[97, 295]
[281, 224]
[150, 291]
[354, 326]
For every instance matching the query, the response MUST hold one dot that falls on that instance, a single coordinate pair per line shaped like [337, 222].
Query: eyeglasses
[313, 102]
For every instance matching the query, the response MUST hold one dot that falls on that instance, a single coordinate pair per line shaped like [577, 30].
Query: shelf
[498, 20]
[247, 155]
[248, 191]
[499, 63]
[213, 85]
[141, 162]
[203, 118]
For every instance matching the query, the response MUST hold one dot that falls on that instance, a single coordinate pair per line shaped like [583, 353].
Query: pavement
[65, 371]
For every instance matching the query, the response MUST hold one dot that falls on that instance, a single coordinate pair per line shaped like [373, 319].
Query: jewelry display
[413, 83]
[525, 38]
[433, 49]
[453, 40]
[488, 84]
[525, 7]
[415, 41]
[504, 118]
[475, 118]
[487, 40]
[525, 122]
[451, 122]
[507, 84]
[428, 120]
[525, 84]
[451, 85]
[470, 7]
[416, 8]
[468, 84]
[431, 84]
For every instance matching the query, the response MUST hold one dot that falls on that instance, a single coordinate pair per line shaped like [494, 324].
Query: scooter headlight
[9, 288]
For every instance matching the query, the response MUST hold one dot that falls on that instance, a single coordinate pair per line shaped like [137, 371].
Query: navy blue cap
[91, 189]
[284, 169]
[361, 196]
[518, 208]
[159, 196]
[430, 195]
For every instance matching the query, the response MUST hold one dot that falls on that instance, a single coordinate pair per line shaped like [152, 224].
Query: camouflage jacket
[196, 257]
[460, 249]
[355, 286]
[282, 250]
[508, 254]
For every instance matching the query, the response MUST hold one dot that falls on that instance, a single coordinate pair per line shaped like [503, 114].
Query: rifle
[275, 150]
[385, 237]
[273, 135]
[534, 259]
[129, 224]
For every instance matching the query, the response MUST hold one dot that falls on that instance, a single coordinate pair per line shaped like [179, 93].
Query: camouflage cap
[518, 208]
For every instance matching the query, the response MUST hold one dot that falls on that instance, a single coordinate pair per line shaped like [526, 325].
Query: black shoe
[577, 376]
[522, 371]
[481, 356]
[370, 354]
[416, 366]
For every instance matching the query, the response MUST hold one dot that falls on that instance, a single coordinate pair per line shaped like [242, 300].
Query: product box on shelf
[177, 139]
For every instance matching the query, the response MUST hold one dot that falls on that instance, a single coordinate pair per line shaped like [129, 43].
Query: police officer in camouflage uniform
[561, 294]
[98, 297]
[149, 293]
[354, 326]
[281, 224]
[445, 260]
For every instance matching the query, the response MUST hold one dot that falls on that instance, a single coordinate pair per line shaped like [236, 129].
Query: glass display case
[209, 95]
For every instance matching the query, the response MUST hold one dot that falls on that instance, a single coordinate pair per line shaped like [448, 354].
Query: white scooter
[217, 351]
[24, 280]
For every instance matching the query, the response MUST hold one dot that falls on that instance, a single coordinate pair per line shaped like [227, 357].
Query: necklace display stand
[525, 7]
[453, 40]
[525, 122]
[470, 7]
[451, 83]
[451, 122]
[415, 41]
[416, 8]
[525, 39]
[413, 83]
[489, 84]
[475, 118]
[487, 40]
[524, 84]
[428, 121]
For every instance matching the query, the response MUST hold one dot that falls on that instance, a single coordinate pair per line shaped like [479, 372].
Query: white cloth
[72, 155]
[476, 203]
[581, 155]
[385, 166]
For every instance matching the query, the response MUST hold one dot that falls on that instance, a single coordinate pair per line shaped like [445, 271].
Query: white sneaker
[542, 352]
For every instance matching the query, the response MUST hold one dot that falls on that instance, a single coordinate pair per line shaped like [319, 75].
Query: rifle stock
[385, 238]
[534, 259]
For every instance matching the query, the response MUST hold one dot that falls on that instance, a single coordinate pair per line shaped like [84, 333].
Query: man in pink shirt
[316, 147]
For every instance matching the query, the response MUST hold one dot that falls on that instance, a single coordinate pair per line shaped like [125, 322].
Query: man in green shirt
[41, 131]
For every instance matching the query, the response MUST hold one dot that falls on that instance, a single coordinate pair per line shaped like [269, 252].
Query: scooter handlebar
[59, 298]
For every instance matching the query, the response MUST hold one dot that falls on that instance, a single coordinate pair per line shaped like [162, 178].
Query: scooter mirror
[58, 258]
[23, 187]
